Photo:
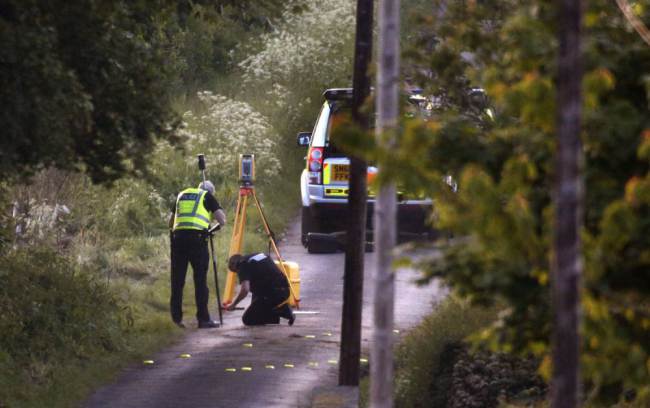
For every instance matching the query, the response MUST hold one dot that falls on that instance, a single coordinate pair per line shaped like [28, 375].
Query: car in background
[324, 182]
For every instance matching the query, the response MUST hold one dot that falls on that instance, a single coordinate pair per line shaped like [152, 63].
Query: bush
[224, 128]
[484, 379]
[52, 312]
[309, 51]
[435, 369]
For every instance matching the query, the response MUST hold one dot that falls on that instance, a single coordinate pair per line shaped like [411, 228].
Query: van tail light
[315, 165]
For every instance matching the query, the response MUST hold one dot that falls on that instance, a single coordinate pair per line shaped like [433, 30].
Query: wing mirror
[478, 99]
[304, 138]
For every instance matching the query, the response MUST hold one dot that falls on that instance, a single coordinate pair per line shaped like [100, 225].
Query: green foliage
[310, 50]
[205, 35]
[60, 313]
[57, 315]
[423, 376]
[84, 85]
[505, 175]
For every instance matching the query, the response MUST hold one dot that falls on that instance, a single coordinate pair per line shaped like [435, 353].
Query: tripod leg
[236, 244]
[216, 279]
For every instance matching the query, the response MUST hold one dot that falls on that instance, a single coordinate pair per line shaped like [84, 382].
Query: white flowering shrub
[39, 220]
[309, 51]
[223, 128]
[312, 44]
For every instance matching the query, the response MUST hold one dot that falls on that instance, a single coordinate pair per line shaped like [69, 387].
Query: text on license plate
[340, 172]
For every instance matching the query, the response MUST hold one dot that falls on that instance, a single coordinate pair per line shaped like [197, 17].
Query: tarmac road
[282, 365]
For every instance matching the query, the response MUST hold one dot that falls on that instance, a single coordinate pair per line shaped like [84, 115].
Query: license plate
[340, 172]
[337, 192]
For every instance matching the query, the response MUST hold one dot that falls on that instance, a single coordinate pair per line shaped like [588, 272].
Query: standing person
[258, 274]
[190, 221]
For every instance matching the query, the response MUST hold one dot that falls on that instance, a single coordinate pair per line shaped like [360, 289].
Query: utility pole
[356, 234]
[567, 266]
[381, 356]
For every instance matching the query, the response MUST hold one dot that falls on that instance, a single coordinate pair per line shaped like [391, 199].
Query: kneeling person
[258, 274]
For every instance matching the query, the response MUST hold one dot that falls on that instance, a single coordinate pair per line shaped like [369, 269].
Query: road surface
[270, 366]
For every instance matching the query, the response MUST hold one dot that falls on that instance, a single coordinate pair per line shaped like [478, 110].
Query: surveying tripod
[246, 192]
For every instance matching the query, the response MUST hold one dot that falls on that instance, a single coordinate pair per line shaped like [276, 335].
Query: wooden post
[566, 266]
[381, 357]
[356, 234]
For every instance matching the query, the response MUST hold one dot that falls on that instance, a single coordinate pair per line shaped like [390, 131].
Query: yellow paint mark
[396, 331]
[231, 370]
[185, 355]
[287, 365]
[247, 368]
[363, 360]
[313, 364]
[333, 361]
[310, 336]
[328, 334]
[248, 345]
[148, 362]
[270, 366]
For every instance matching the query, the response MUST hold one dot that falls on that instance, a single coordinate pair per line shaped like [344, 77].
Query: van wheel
[308, 224]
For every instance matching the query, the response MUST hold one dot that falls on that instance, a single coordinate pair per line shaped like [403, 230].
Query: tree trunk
[567, 264]
[353, 277]
[381, 357]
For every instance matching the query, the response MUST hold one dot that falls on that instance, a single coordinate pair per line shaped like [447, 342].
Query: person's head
[207, 186]
[234, 262]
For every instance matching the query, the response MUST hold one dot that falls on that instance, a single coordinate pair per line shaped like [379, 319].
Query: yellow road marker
[310, 336]
[333, 361]
[328, 334]
[231, 370]
[270, 366]
[396, 331]
[247, 368]
[248, 345]
[313, 364]
[185, 355]
[287, 365]
[363, 360]
[148, 362]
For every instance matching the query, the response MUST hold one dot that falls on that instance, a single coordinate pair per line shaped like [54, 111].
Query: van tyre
[308, 224]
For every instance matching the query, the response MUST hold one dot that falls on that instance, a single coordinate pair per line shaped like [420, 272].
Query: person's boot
[288, 314]
[208, 324]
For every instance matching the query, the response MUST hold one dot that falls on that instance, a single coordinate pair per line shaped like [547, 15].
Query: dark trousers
[189, 247]
[264, 308]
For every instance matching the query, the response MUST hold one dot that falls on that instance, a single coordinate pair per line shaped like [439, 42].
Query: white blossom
[228, 128]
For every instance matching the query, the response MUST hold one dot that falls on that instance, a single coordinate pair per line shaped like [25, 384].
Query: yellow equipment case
[294, 279]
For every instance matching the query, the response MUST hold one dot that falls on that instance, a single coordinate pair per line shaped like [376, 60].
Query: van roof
[337, 94]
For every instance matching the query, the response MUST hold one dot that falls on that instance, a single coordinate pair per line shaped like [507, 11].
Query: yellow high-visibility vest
[190, 211]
